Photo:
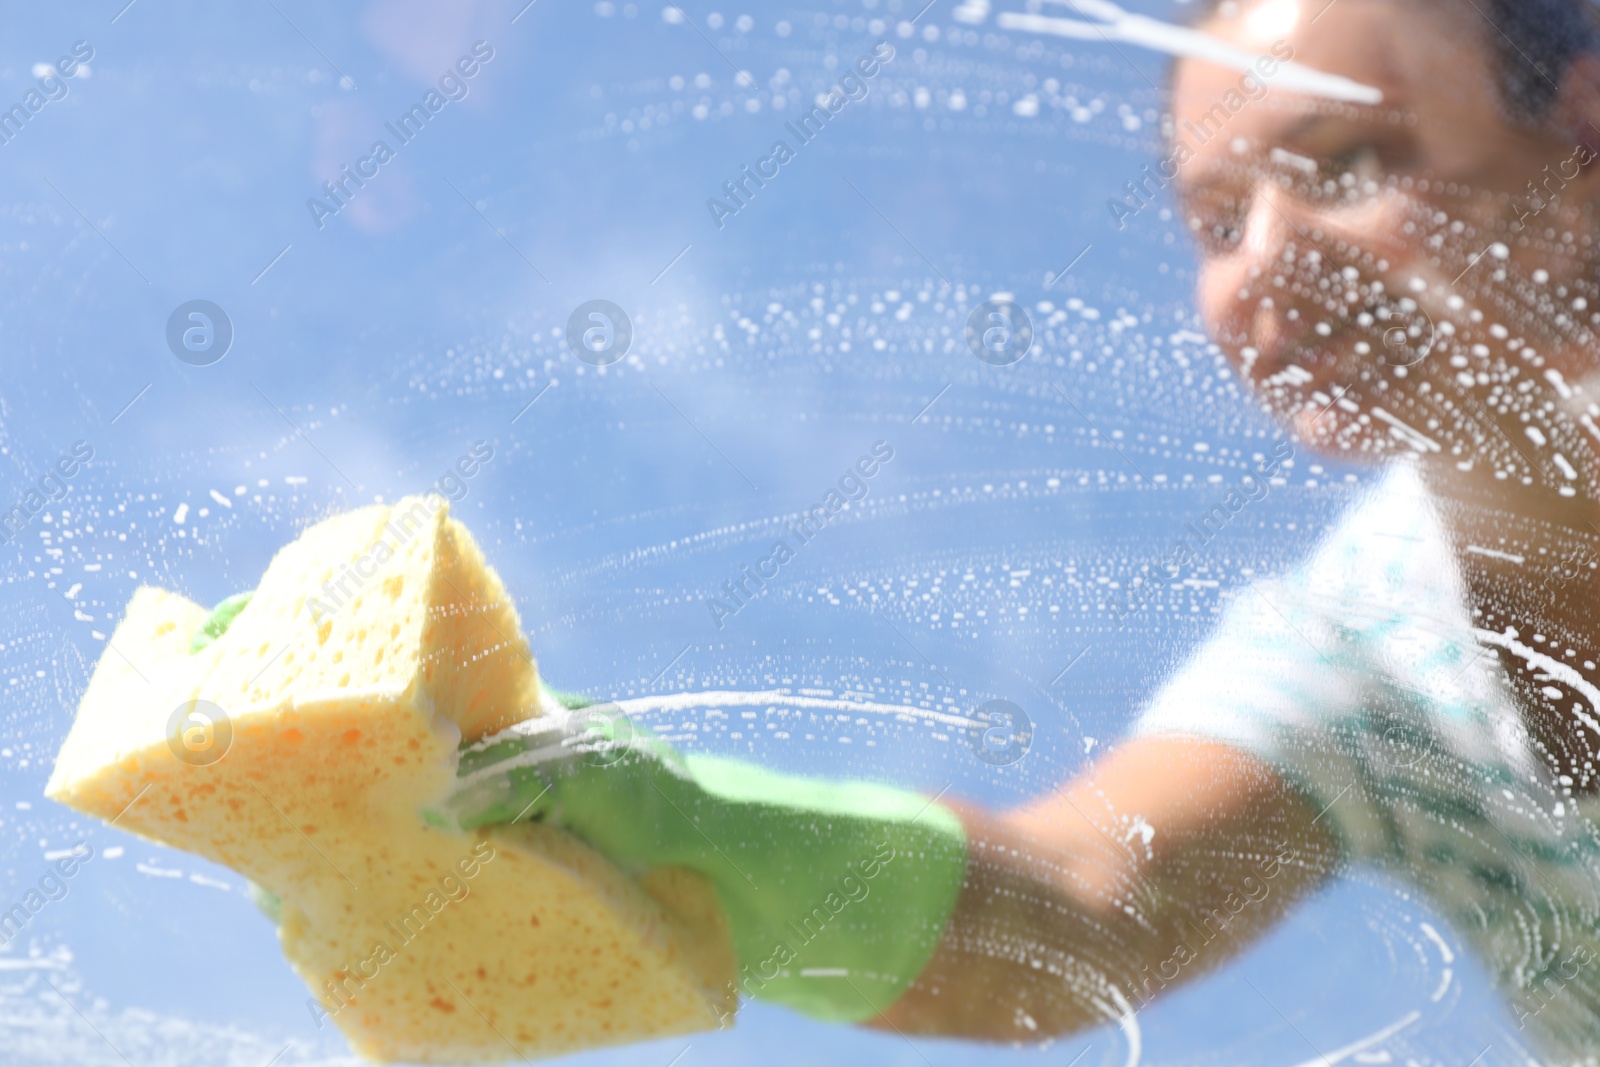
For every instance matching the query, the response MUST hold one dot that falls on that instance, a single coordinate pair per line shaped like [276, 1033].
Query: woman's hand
[1157, 865]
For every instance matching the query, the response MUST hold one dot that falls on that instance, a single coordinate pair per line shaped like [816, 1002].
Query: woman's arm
[1065, 901]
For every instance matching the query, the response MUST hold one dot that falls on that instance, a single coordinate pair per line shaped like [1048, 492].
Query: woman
[1413, 282]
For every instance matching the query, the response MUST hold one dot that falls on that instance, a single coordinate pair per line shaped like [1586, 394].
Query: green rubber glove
[836, 892]
[219, 620]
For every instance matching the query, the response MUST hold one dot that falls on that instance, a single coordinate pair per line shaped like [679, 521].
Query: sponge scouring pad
[300, 747]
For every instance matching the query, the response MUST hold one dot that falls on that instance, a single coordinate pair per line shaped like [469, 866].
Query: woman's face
[1360, 263]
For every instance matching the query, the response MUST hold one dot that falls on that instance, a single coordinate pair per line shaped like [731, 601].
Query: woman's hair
[1534, 42]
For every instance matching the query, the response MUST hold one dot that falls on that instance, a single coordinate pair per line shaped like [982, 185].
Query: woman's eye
[1226, 235]
[1360, 161]
[1216, 236]
[1218, 225]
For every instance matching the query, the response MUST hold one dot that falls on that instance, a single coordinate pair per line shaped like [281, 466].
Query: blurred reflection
[422, 39]
[430, 44]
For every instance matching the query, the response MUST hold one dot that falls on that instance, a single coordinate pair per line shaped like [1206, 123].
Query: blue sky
[375, 344]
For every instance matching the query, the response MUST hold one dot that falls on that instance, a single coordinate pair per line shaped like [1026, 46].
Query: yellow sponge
[299, 749]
